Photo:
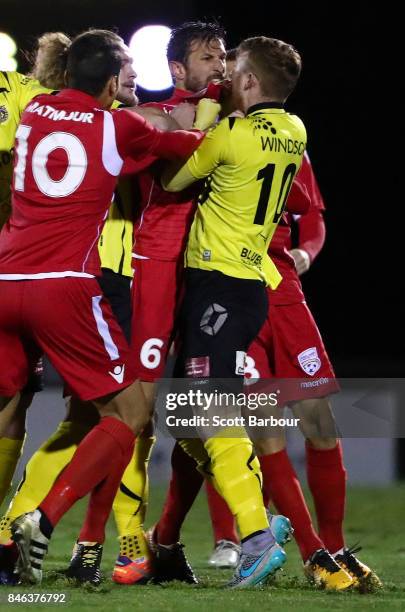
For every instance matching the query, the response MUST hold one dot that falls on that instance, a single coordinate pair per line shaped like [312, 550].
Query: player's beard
[127, 96]
[196, 83]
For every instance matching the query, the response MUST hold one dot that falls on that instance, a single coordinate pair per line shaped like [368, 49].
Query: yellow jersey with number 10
[251, 163]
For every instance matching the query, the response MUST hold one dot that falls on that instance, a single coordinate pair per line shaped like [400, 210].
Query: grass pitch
[375, 517]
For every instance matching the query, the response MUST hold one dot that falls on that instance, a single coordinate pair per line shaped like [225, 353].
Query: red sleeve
[137, 138]
[311, 232]
[298, 201]
[306, 176]
[312, 224]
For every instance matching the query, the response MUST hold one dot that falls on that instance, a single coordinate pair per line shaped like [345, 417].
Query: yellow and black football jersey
[250, 164]
[116, 241]
[16, 90]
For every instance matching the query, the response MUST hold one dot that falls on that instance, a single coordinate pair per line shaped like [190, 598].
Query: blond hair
[50, 60]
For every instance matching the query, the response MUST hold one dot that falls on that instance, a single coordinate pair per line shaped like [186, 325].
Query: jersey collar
[81, 96]
[263, 105]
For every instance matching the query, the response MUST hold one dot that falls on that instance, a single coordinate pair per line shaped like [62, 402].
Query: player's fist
[301, 260]
[184, 115]
[206, 114]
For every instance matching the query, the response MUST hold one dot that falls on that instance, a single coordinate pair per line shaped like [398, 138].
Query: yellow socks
[131, 501]
[238, 479]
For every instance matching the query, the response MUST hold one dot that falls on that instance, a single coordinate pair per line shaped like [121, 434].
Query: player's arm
[180, 120]
[137, 138]
[204, 160]
[311, 225]
[298, 201]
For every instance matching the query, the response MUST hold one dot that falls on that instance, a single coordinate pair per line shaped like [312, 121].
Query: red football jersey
[312, 236]
[162, 230]
[69, 153]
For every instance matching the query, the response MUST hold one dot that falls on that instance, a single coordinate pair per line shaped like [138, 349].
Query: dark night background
[352, 300]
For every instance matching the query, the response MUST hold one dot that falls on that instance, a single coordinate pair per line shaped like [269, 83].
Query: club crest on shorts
[309, 361]
[3, 114]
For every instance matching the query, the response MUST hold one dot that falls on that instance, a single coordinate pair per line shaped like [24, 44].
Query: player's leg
[164, 538]
[305, 358]
[280, 482]
[99, 365]
[221, 316]
[154, 296]
[11, 444]
[226, 540]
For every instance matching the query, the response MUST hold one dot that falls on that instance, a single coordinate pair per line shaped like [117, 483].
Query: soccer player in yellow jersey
[249, 164]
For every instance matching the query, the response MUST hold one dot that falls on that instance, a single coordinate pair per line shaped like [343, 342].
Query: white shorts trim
[103, 329]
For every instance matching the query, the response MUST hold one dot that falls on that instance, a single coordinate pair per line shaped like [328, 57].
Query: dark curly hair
[187, 33]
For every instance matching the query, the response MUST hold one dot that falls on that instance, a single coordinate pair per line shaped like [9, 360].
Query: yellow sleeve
[213, 150]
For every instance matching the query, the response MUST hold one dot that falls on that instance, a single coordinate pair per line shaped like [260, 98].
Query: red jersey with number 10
[69, 153]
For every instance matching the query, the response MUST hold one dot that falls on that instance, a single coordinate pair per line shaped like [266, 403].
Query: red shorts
[289, 346]
[69, 320]
[157, 290]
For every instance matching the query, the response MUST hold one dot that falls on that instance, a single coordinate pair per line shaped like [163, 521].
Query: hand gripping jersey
[16, 90]
[162, 230]
[250, 165]
[69, 153]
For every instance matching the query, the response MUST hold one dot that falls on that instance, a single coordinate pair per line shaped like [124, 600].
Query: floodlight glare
[8, 49]
[148, 48]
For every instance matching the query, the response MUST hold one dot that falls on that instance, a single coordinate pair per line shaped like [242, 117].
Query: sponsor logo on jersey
[206, 255]
[309, 361]
[240, 363]
[118, 373]
[213, 319]
[251, 257]
[196, 367]
[3, 114]
[261, 123]
[285, 145]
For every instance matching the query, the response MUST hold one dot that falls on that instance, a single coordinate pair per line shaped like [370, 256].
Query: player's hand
[301, 260]
[207, 113]
[184, 114]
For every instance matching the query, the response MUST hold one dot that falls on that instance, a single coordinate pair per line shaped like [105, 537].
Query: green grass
[374, 517]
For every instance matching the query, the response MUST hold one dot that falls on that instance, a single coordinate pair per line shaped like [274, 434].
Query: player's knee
[316, 420]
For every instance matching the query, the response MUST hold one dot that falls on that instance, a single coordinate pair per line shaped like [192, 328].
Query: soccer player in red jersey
[196, 56]
[48, 255]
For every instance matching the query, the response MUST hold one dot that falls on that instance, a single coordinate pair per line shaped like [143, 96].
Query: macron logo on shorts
[118, 373]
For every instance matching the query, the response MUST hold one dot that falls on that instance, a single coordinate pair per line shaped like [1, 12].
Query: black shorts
[220, 317]
[117, 290]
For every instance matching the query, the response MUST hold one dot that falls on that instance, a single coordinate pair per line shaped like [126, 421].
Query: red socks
[281, 484]
[327, 481]
[97, 466]
[223, 522]
[184, 486]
